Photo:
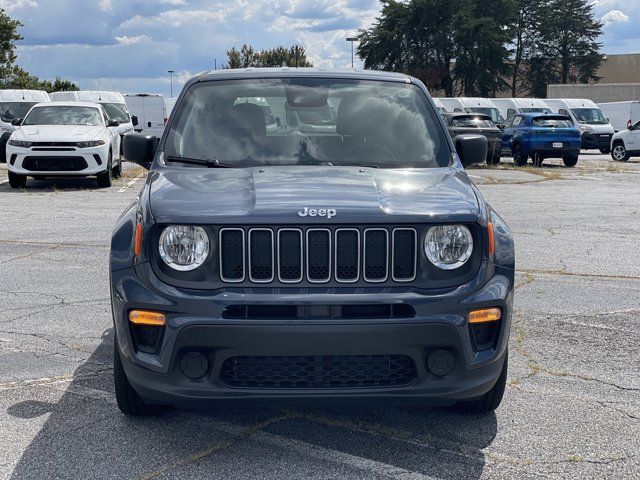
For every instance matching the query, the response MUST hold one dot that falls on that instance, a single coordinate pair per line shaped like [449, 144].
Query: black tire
[604, 151]
[490, 400]
[105, 179]
[117, 171]
[537, 160]
[493, 159]
[129, 402]
[619, 152]
[17, 181]
[519, 157]
[570, 160]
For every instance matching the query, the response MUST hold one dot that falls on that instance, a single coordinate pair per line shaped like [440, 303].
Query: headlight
[183, 247]
[20, 143]
[92, 143]
[448, 246]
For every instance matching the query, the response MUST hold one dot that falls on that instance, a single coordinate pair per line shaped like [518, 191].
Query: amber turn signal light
[492, 244]
[485, 315]
[144, 317]
[137, 241]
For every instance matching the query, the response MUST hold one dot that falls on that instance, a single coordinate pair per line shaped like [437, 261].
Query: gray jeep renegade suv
[308, 235]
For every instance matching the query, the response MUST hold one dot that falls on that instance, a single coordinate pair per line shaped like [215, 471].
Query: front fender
[504, 257]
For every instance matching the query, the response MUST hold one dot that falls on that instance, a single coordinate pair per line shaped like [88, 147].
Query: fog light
[441, 363]
[194, 365]
[147, 329]
[484, 326]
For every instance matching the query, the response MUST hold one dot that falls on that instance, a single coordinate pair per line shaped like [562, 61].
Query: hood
[605, 128]
[276, 195]
[60, 133]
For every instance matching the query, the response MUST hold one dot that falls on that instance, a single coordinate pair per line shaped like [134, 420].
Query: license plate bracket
[557, 144]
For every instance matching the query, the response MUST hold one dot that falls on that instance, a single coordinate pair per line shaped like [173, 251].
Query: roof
[68, 104]
[289, 72]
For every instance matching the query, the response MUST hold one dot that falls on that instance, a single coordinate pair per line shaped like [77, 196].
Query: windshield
[472, 122]
[552, 122]
[494, 113]
[11, 110]
[591, 116]
[64, 115]
[535, 110]
[318, 121]
[117, 111]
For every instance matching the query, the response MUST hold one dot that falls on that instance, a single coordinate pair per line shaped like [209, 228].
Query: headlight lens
[448, 246]
[184, 247]
[92, 143]
[20, 143]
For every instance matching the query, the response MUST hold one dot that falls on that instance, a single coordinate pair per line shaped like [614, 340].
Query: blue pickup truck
[540, 136]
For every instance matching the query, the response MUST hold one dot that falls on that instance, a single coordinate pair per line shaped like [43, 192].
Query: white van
[472, 105]
[150, 110]
[621, 115]
[595, 129]
[439, 106]
[510, 106]
[15, 104]
[113, 103]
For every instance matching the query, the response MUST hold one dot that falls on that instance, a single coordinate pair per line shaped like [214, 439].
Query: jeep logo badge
[318, 212]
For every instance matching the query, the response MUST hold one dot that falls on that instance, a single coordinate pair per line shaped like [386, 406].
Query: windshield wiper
[204, 162]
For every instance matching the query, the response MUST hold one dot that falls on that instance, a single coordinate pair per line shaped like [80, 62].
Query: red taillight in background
[165, 121]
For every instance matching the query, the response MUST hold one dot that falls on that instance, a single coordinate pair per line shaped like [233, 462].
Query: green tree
[247, 56]
[525, 28]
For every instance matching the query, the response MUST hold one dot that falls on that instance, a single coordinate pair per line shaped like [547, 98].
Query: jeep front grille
[317, 255]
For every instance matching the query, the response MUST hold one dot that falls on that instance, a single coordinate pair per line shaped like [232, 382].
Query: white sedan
[64, 139]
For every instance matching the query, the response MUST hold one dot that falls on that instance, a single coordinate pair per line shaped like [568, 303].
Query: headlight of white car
[92, 143]
[20, 143]
[448, 246]
[184, 247]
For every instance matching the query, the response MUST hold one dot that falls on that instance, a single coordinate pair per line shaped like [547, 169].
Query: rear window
[552, 122]
[472, 122]
[310, 121]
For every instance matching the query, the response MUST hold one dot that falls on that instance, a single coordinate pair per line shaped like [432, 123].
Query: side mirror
[113, 123]
[16, 122]
[134, 120]
[630, 127]
[500, 126]
[140, 149]
[471, 149]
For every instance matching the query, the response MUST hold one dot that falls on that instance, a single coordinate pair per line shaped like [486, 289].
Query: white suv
[626, 143]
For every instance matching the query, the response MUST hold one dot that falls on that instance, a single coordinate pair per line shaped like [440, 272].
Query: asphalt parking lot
[571, 410]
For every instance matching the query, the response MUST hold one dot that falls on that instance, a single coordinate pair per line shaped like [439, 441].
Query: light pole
[351, 39]
[171, 72]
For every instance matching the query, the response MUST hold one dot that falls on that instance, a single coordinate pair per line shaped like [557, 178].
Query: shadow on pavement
[86, 436]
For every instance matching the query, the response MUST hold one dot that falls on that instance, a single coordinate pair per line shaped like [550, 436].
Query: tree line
[12, 75]
[247, 56]
[483, 47]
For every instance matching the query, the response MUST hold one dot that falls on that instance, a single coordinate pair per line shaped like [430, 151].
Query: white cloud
[614, 16]
[125, 40]
[11, 5]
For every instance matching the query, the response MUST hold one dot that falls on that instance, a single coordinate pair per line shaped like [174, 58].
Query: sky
[129, 45]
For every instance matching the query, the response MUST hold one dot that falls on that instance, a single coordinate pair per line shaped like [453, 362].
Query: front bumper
[196, 323]
[57, 162]
[598, 141]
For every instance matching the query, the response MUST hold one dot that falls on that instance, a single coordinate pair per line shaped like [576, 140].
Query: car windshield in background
[11, 110]
[493, 113]
[552, 122]
[591, 116]
[472, 122]
[64, 115]
[310, 121]
[117, 111]
[535, 110]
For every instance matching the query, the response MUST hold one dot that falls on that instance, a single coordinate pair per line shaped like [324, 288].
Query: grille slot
[318, 255]
[319, 372]
[404, 254]
[376, 254]
[232, 255]
[347, 255]
[261, 255]
[290, 255]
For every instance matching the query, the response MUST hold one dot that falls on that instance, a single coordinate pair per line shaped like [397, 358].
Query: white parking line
[130, 184]
[3, 182]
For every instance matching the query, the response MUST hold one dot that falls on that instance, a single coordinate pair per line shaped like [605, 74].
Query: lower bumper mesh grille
[317, 372]
[54, 164]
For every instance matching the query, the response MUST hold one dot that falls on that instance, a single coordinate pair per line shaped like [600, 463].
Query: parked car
[305, 266]
[15, 104]
[510, 106]
[595, 129]
[150, 111]
[626, 143]
[473, 105]
[540, 136]
[439, 106]
[621, 115]
[64, 139]
[113, 103]
[476, 123]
